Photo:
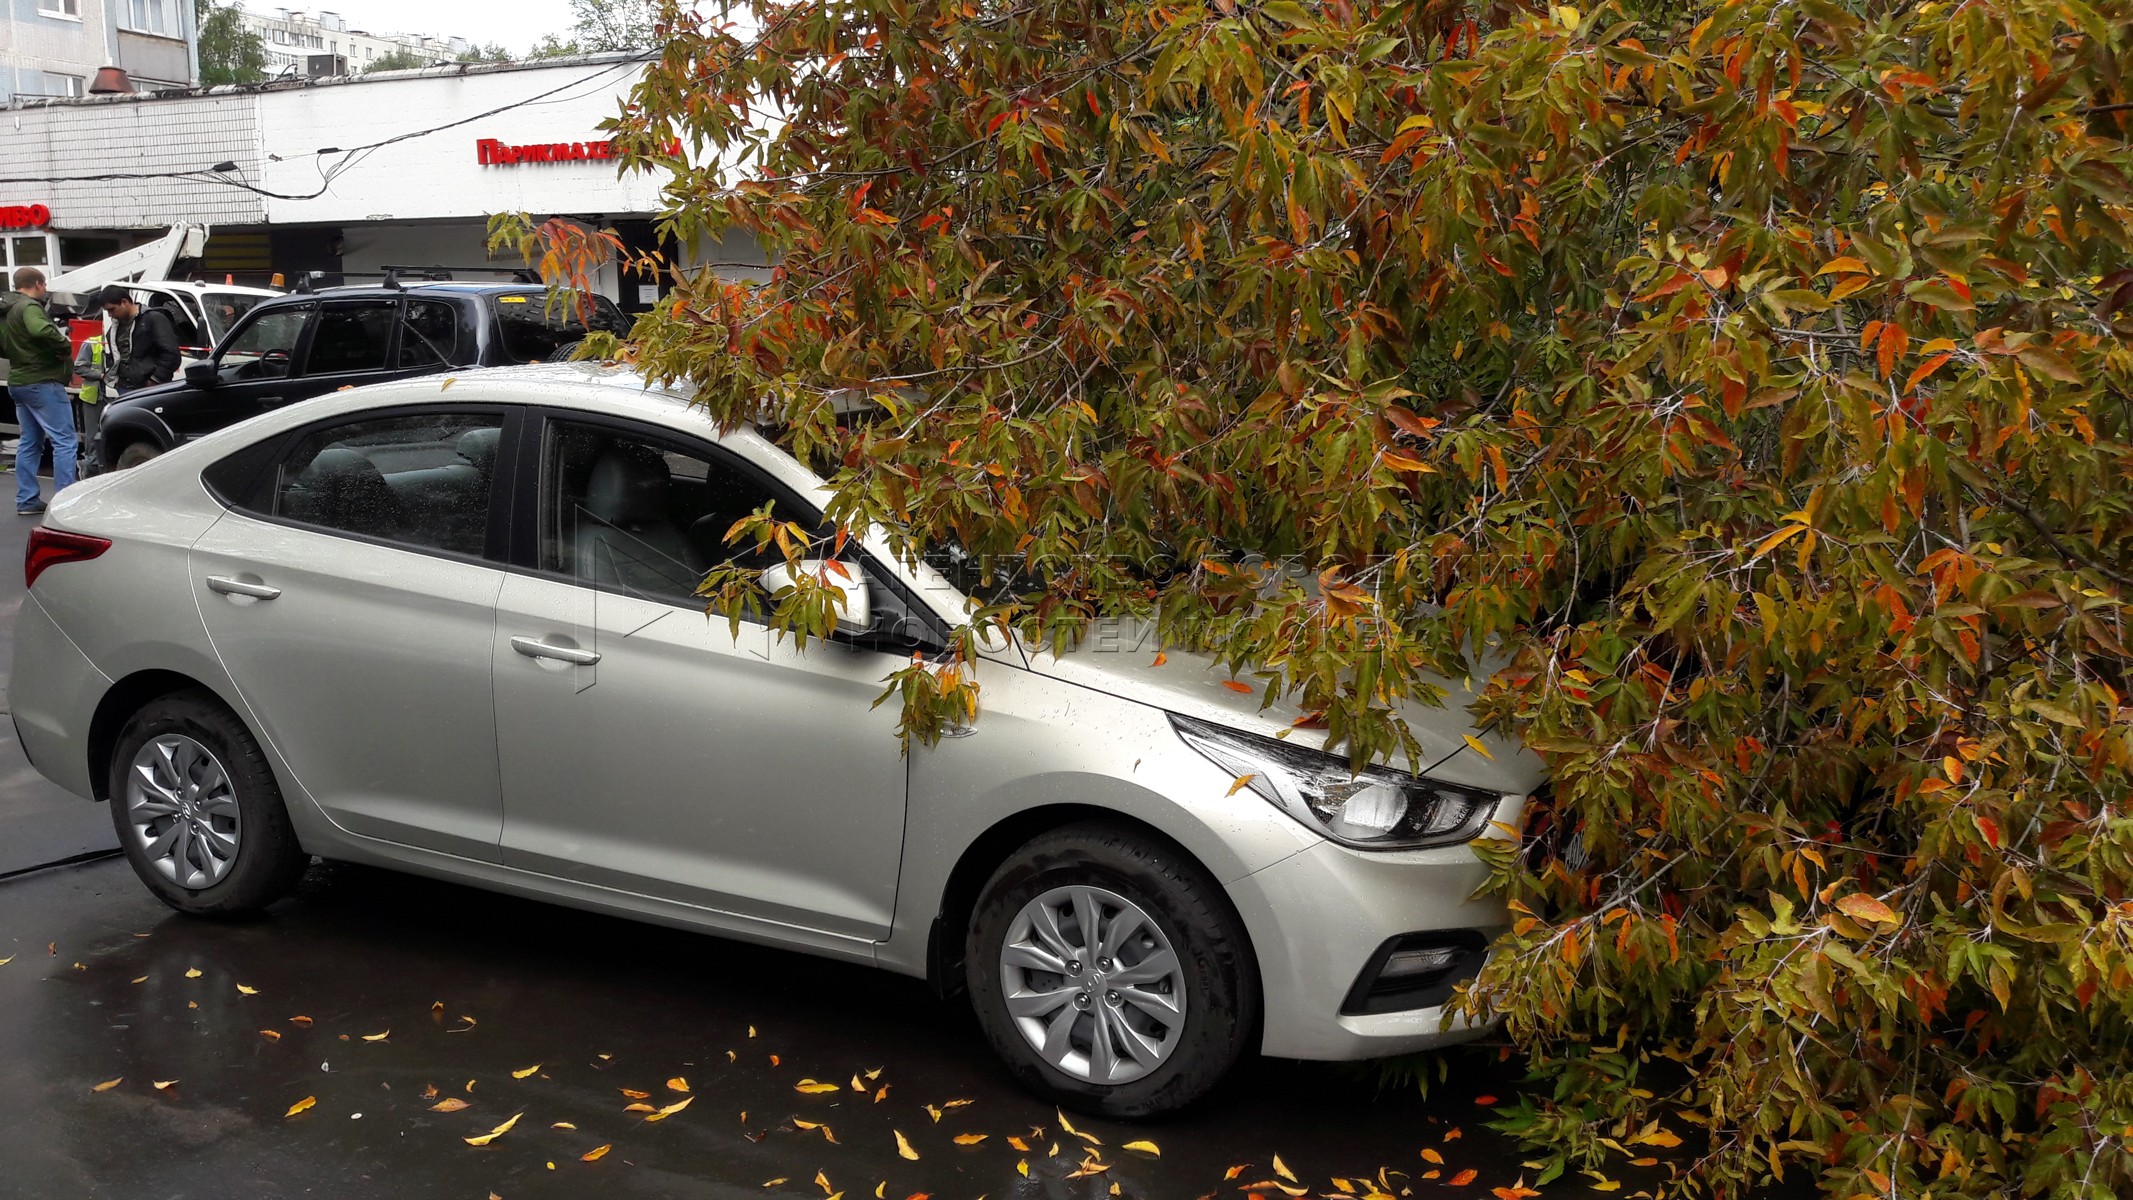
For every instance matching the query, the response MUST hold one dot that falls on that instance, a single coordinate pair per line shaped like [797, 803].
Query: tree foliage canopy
[229, 53]
[1754, 374]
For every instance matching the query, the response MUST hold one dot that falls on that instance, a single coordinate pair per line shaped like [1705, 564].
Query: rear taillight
[51, 547]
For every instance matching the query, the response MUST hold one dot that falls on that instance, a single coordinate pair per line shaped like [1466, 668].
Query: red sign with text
[492, 153]
[24, 216]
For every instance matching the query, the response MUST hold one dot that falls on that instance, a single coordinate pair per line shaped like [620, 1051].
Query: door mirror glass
[202, 375]
[856, 614]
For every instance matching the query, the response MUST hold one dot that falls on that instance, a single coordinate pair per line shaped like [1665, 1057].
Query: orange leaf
[449, 1104]
[1463, 1178]
[593, 1155]
[295, 1108]
[1244, 689]
[1861, 907]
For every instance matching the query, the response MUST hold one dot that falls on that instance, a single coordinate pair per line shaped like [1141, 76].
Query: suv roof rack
[392, 275]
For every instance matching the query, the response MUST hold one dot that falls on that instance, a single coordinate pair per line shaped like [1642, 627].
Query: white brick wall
[131, 136]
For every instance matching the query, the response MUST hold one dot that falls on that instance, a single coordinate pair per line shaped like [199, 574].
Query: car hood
[1197, 685]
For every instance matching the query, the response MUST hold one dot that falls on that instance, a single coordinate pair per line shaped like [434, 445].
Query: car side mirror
[855, 615]
[202, 375]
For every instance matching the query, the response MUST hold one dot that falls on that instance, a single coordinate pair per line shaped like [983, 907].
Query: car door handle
[238, 587]
[536, 648]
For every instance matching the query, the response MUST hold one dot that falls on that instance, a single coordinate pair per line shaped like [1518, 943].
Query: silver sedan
[455, 632]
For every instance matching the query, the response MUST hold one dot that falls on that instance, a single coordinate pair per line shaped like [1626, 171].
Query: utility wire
[348, 156]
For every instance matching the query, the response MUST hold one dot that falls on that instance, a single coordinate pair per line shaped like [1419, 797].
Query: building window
[159, 17]
[70, 9]
[61, 85]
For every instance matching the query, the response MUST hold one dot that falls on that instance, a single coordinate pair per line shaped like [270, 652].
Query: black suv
[294, 347]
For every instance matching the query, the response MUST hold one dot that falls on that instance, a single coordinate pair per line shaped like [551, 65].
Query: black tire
[565, 352]
[268, 861]
[134, 454]
[1221, 976]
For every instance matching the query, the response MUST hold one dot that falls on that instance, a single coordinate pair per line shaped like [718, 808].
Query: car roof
[202, 285]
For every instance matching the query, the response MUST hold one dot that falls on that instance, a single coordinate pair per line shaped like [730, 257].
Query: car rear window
[536, 324]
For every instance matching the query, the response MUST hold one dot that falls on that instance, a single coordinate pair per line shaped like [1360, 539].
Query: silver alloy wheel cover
[1108, 1012]
[182, 809]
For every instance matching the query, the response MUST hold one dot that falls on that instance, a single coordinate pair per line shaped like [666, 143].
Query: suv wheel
[1110, 973]
[135, 454]
[197, 809]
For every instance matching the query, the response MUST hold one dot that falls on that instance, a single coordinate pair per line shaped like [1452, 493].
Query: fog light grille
[1416, 970]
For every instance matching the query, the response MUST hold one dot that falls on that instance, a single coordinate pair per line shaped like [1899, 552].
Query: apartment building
[301, 43]
[55, 47]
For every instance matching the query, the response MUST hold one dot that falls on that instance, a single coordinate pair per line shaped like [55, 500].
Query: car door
[351, 594]
[253, 371]
[648, 747]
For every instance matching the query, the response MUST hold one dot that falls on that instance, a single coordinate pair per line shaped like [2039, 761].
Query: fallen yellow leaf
[858, 1086]
[1019, 1144]
[192, 972]
[634, 1094]
[1432, 1156]
[142, 979]
[969, 1139]
[108, 1084]
[562, 1125]
[1144, 1148]
[671, 1109]
[1282, 1169]
[449, 1104]
[520, 1074]
[1023, 1167]
[957, 1103]
[377, 1037]
[1235, 1171]
[903, 1146]
[882, 1093]
[593, 1155]
[814, 1088]
[272, 1035]
[493, 1134]
[678, 1084]
[300, 1106]
[162, 1084]
[242, 990]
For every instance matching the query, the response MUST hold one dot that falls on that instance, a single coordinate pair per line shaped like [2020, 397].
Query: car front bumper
[1318, 917]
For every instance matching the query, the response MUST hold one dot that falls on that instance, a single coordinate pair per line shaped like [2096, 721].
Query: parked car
[294, 347]
[202, 314]
[454, 632]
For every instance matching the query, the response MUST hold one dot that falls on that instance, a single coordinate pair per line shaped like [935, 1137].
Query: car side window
[423, 480]
[352, 336]
[643, 515]
[429, 334]
[265, 348]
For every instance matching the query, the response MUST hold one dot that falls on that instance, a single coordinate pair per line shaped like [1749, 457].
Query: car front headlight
[1379, 809]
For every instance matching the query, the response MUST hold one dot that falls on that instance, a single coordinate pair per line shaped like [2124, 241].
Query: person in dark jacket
[40, 360]
[144, 344]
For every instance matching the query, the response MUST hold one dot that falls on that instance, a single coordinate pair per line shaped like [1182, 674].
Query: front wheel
[1110, 973]
[135, 454]
[197, 809]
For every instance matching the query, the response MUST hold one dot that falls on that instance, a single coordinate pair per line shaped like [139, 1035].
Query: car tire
[134, 454]
[237, 853]
[565, 352]
[1126, 877]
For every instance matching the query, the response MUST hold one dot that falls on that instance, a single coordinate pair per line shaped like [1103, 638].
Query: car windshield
[223, 309]
[536, 324]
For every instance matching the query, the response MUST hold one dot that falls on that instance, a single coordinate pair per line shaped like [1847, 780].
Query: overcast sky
[517, 24]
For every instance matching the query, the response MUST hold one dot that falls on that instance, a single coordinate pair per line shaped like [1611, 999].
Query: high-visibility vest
[92, 392]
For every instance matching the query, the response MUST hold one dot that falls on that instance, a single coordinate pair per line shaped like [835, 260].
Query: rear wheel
[197, 810]
[135, 454]
[1110, 973]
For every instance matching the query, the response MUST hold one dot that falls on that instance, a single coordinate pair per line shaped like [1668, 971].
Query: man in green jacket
[40, 361]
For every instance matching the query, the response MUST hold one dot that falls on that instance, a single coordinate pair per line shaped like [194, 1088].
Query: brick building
[345, 175]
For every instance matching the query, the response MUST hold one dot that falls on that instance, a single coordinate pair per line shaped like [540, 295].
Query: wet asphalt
[371, 998]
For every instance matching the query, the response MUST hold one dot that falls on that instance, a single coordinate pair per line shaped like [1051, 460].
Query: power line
[219, 173]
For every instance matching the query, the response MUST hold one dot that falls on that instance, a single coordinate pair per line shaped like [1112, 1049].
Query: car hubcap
[183, 811]
[1093, 984]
